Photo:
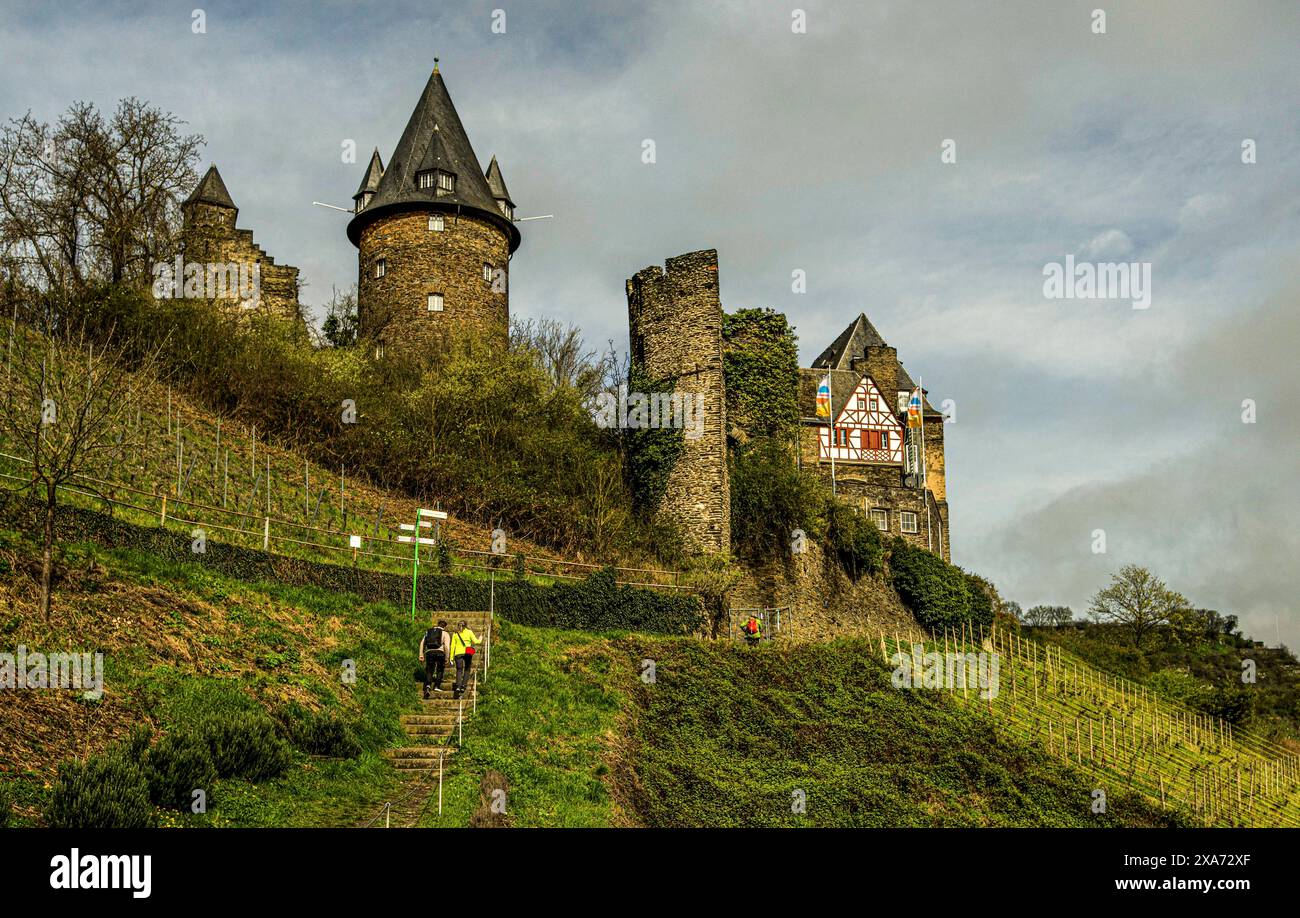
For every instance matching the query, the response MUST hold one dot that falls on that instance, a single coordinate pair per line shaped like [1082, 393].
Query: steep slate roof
[852, 342]
[374, 172]
[211, 190]
[434, 138]
[496, 182]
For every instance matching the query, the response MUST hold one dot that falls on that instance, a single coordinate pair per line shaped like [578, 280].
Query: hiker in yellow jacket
[463, 647]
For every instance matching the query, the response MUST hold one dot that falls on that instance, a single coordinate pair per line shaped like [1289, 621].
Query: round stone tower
[434, 234]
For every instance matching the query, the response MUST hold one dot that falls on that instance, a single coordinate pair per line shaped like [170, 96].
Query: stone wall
[675, 330]
[824, 602]
[394, 309]
[209, 236]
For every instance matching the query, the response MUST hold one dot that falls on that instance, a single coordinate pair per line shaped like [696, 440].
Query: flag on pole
[824, 397]
[914, 408]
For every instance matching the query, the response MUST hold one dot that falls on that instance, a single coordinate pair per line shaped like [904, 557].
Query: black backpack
[433, 640]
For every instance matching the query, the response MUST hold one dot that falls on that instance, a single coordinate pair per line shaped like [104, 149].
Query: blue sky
[821, 152]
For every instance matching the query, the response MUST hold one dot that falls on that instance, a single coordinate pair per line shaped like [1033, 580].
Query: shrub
[6, 806]
[854, 540]
[245, 746]
[319, 732]
[136, 743]
[771, 498]
[104, 792]
[177, 765]
[933, 589]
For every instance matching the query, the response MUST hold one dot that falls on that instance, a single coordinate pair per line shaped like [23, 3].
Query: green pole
[415, 565]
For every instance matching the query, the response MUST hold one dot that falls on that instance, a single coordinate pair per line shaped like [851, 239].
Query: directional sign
[354, 541]
[422, 541]
[436, 514]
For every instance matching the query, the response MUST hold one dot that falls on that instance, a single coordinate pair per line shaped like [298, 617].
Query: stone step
[407, 720]
[417, 763]
[423, 730]
[418, 752]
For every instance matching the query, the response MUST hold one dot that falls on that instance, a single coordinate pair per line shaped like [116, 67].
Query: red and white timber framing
[866, 429]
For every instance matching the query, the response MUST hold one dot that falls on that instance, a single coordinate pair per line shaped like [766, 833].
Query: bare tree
[65, 406]
[561, 352]
[339, 328]
[1139, 601]
[93, 197]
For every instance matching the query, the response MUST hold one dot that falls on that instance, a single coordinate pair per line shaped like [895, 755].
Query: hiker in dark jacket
[435, 647]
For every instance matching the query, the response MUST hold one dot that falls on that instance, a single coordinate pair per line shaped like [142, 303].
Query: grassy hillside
[227, 477]
[182, 644]
[724, 736]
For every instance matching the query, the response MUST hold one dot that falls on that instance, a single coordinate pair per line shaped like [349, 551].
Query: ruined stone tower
[675, 331]
[227, 254]
[434, 233]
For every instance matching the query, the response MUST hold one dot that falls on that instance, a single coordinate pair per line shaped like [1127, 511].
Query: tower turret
[434, 233]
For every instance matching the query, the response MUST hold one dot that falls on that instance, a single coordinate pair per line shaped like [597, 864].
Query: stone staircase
[432, 733]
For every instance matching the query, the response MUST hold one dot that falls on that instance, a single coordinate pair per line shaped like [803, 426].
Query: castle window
[435, 223]
[506, 209]
[907, 521]
[379, 351]
[435, 302]
[487, 272]
[841, 436]
[381, 267]
[446, 182]
[424, 180]
[881, 519]
[873, 403]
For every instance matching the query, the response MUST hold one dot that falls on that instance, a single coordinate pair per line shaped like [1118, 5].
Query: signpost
[422, 519]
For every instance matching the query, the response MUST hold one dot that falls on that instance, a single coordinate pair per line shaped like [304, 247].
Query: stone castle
[435, 233]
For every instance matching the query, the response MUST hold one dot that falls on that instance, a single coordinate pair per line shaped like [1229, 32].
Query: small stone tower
[675, 331]
[434, 233]
[211, 240]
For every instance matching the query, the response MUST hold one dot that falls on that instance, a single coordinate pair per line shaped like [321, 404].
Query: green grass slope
[182, 643]
[725, 736]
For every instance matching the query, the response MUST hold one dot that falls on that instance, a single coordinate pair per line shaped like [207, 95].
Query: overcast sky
[821, 152]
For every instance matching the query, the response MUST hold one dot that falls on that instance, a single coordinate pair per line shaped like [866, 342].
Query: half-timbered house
[892, 474]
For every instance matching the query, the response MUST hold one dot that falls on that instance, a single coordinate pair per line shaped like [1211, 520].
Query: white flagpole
[925, 496]
[830, 400]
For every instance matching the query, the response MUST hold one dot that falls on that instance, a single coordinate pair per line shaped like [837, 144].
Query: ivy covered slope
[726, 736]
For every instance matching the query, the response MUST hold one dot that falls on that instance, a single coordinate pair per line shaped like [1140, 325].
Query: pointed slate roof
[434, 138]
[211, 190]
[497, 183]
[374, 172]
[852, 342]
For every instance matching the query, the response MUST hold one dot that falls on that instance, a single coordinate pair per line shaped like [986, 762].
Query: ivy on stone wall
[760, 364]
[652, 452]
